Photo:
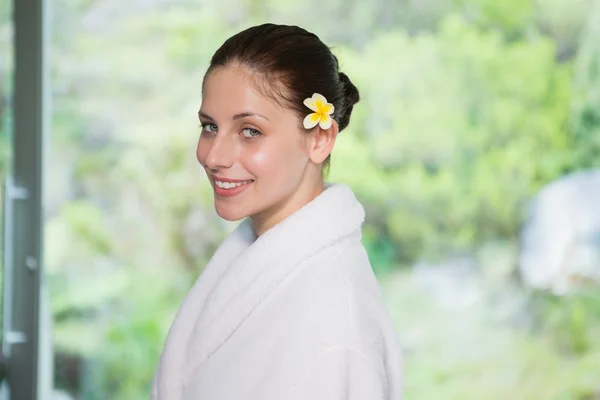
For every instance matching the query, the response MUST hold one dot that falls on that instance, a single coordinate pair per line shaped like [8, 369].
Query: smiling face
[257, 156]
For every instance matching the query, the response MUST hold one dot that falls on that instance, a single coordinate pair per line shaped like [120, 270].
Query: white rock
[560, 242]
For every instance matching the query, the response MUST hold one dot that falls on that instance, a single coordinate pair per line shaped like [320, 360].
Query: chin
[230, 213]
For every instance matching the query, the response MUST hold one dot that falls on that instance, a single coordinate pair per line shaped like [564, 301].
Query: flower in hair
[322, 112]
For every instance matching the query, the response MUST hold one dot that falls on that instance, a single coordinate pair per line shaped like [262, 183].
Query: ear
[322, 142]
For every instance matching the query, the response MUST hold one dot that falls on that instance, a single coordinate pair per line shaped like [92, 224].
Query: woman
[288, 307]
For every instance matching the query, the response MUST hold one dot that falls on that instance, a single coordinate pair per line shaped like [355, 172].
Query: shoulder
[331, 316]
[336, 292]
[343, 315]
[343, 268]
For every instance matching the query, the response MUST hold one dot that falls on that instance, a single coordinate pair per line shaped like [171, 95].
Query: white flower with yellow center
[322, 112]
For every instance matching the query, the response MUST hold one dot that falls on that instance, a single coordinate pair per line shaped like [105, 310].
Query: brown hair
[291, 63]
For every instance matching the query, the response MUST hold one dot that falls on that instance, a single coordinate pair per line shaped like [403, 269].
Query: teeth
[230, 185]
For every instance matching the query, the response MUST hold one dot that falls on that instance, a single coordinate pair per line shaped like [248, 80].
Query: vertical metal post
[23, 202]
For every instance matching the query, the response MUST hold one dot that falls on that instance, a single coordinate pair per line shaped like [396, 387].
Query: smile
[230, 185]
[230, 188]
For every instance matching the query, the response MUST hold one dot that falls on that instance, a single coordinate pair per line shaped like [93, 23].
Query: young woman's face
[255, 152]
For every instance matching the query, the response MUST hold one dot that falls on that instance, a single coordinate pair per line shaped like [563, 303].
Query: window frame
[23, 218]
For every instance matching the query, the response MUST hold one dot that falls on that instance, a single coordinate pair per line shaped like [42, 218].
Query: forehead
[230, 90]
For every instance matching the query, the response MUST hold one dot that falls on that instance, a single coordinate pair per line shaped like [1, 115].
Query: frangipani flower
[322, 112]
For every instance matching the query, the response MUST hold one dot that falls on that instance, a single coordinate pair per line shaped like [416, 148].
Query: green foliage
[512, 17]
[476, 350]
[448, 140]
[571, 322]
[133, 341]
[586, 106]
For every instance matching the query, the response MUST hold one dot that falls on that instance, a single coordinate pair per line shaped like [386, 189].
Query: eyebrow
[235, 117]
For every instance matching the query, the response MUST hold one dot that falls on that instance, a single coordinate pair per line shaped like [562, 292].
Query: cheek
[275, 161]
[260, 161]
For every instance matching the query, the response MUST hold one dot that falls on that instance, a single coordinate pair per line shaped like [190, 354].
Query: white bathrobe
[295, 314]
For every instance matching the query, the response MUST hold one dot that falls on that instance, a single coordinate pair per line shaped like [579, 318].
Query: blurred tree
[586, 103]
[511, 17]
[450, 124]
[563, 21]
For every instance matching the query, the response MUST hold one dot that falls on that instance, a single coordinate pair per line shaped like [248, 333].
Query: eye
[209, 128]
[251, 132]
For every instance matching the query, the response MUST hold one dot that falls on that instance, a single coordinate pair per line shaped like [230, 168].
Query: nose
[220, 152]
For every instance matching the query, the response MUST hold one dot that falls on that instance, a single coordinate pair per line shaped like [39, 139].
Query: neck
[298, 199]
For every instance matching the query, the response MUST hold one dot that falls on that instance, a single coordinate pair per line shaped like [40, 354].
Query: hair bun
[351, 97]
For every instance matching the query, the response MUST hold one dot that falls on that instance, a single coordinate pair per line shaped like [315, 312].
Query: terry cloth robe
[294, 314]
